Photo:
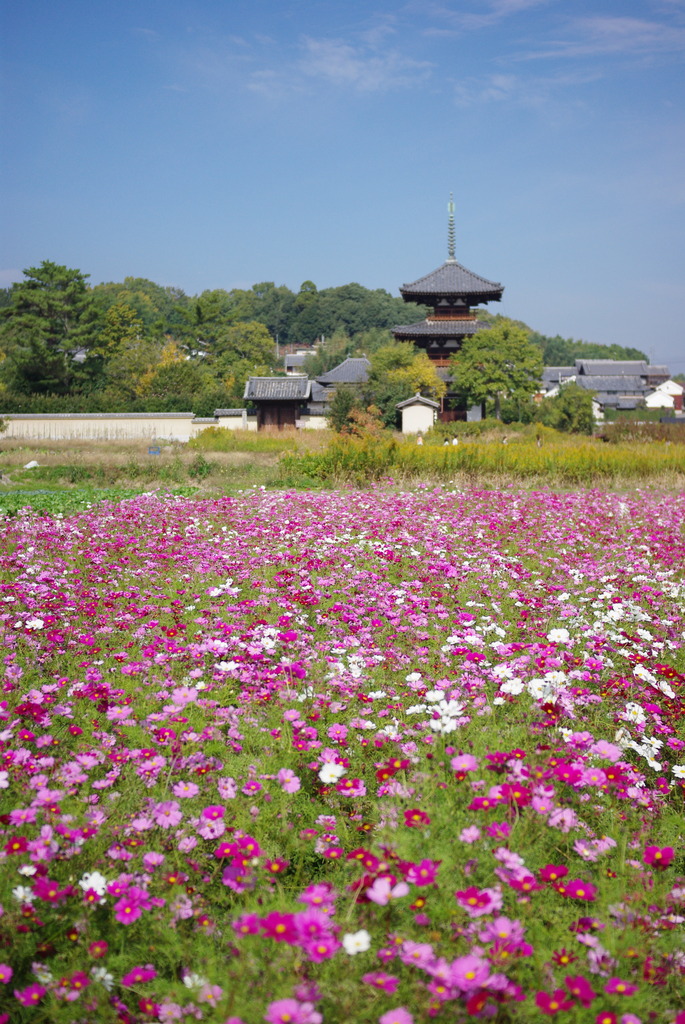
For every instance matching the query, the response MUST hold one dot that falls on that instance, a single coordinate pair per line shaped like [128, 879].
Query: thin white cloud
[518, 90]
[360, 67]
[486, 14]
[604, 35]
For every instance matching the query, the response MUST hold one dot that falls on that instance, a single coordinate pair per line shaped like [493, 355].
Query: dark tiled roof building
[350, 371]
[278, 399]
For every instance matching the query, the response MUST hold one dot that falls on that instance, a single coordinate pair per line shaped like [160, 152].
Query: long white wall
[143, 426]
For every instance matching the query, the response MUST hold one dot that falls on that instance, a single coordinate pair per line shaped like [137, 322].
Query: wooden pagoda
[452, 291]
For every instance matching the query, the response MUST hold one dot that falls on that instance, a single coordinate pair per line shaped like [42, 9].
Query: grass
[566, 462]
[226, 462]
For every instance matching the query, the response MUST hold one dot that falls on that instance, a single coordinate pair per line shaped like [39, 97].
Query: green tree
[398, 370]
[569, 411]
[250, 341]
[47, 329]
[558, 351]
[344, 402]
[500, 362]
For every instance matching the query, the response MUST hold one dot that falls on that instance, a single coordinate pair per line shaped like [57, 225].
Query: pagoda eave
[440, 330]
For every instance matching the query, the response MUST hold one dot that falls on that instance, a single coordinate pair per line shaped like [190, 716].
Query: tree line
[67, 345]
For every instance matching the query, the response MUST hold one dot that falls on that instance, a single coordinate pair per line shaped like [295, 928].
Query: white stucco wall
[142, 426]
[233, 422]
[417, 418]
[660, 400]
[311, 423]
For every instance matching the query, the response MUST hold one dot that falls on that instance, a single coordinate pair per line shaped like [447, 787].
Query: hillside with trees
[134, 345]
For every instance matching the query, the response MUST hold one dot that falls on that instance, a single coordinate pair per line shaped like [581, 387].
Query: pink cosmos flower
[477, 902]
[288, 780]
[416, 818]
[578, 890]
[616, 987]
[214, 812]
[469, 972]
[6, 973]
[185, 790]
[311, 924]
[502, 929]
[658, 857]
[464, 763]
[280, 927]
[320, 894]
[553, 872]
[31, 995]
[553, 1003]
[210, 994]
[131, 905]
[167, 814]
[417, 954]
[139, 975]
[381, 980]
[470, 834]
[351, 787]
[321, 948]
[247, 924]
[397, 1016]
[423, 873]
[291, 1011]
[383, 890]
[580, 988]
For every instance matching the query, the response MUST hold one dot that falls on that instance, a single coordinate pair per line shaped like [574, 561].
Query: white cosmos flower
[435, 695]
[191, 980]
[513, 686]
[560, 636]
[331, 772]
[679, 771]
[356, 942]
[22, 894]
[102, 975]
[95, 881]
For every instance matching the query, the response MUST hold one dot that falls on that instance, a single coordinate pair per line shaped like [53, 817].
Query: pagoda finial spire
[450, 229]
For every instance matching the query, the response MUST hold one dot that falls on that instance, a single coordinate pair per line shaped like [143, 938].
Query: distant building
[297, 401]
[418, 414]
[294, 362]
[622, 384]
[278, 399]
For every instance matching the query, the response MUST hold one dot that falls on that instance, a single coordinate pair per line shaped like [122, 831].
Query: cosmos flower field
[359, 756]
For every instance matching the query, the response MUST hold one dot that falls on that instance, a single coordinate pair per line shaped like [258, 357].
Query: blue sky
[214, 144]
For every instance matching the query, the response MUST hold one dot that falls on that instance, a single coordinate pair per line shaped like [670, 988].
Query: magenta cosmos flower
[554, 1002]
[658, 857]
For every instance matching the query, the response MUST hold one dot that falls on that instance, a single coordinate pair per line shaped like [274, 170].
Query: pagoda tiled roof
[276, 389]
[354, 370]
[452, 279]
[440, 328]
